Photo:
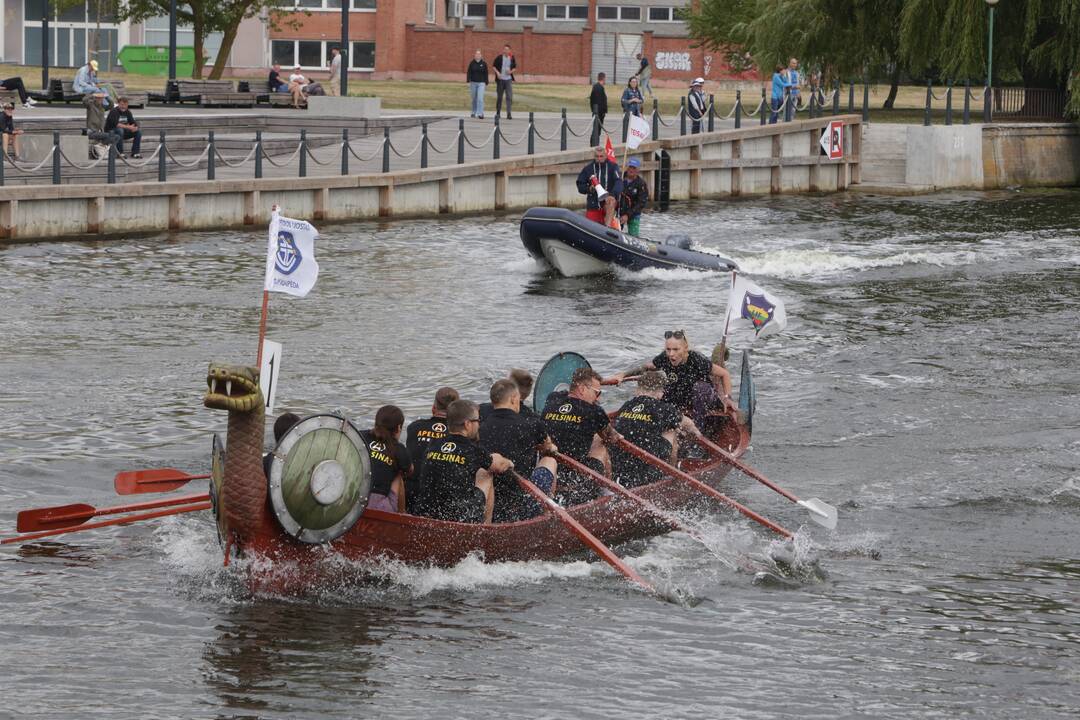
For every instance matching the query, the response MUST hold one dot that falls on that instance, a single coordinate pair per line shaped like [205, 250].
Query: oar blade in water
[48, 518]
[821, 512]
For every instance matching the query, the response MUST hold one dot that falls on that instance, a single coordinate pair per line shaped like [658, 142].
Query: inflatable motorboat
[575, 245]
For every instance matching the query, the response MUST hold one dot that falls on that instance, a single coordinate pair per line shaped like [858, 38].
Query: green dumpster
[154, 60]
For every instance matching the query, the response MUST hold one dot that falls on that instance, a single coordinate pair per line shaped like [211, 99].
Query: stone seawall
[782, 158]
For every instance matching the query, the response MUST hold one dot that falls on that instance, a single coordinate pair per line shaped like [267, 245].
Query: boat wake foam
[812, 263]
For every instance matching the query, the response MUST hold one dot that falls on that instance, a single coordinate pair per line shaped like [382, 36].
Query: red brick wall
[673, 54]
[562, 55]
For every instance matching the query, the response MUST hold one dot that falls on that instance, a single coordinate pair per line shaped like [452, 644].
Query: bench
[207, 93]
[9, 96]
[281, 100]
[136, 98]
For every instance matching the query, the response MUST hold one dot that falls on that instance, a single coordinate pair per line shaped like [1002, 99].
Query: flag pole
[720, 350]
[266, 292]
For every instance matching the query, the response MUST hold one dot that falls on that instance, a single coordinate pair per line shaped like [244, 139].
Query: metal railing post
[110, 165]
[836, 99]
[738, 109]
[210, 169]
[948, 104]
[682, 116]
[562, 131]
[625, 125]
[926, 112]
[423, 146]
[386, 149]
[988, 115]
[162, 172]
[258, 154]
[344, 151]
[851, 97]
[495, 140]
[532, 135]
[967, 102]
[866, 99]
[764, 108]
[812, 110]
[303, 153]
[461, 141]
[594, 136]
[56, 158]
[655, 119]
[3, 159]
[712, 112]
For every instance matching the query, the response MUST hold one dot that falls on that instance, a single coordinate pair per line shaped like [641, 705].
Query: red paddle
[52, 518]
[133, 482]
[587, 537]
[104, 523]
[700, 486]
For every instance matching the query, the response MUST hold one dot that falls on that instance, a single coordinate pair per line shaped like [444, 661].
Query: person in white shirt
[335, 71]
[297, 83]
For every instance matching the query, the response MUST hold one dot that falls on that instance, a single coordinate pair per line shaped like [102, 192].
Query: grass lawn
[454, 96]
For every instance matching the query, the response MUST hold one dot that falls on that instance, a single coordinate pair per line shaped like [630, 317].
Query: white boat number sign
[269, 372]
[673, 61]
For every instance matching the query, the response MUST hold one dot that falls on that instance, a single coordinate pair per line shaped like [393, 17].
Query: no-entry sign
[832, 140]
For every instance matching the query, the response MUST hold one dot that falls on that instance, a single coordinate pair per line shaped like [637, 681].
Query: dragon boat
[314, 499]
[575, 245]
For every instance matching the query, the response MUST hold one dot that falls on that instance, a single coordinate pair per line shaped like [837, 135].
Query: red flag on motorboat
[610, 150]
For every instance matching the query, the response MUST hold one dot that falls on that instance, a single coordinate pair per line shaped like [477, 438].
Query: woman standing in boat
[390, 462]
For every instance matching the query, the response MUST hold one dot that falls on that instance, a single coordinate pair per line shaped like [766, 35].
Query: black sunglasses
[677, 334]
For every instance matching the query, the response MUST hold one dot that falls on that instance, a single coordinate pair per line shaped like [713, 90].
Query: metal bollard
[386, 150]
[851, 96]
[866, 99]
[948, 104]
[495, 140]
[345, 151]
[3, 159]
[594, 136]
[562, 131]
[56, 158]
[926, 112]
[836, 99]
[162, 172]
[423, 146]
[763, 107]
[461, 141]
[532, 135]
[682, 116]
[210, 169]
[110, 165]
[967, 102]
[812, 109]
[738, 109]
[258, 154]
[988, 115]
[712, 111]
[625, 126]
[303, 153]
[655, 119]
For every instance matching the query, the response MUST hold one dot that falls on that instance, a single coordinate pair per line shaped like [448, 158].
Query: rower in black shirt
[282, 425]
[517, 437]
[651, 424]
[421, 433]
[580, 427]
[456, 476]
[524, 381]
[390, 461]
[684, 369]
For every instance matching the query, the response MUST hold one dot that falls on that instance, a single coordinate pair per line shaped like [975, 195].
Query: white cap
[698, 81]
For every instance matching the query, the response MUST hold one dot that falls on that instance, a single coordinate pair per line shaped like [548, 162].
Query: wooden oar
[700, 486]
[820, 511]
[51, 518]
[612, 381]
[133, 482]
[105, 523]
[587, 537]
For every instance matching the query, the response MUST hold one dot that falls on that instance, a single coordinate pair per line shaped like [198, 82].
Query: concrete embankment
[782, 158]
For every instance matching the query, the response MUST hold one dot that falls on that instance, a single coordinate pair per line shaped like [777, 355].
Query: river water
[927, 385]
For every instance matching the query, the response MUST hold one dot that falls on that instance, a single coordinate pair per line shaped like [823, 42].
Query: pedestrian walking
[598, 99]
[477, 77]
[504, 80]
[644, 74]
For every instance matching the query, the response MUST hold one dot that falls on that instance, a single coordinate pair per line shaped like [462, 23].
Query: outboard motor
[680, 241]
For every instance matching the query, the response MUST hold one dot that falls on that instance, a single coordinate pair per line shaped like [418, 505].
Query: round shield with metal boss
[320, 477]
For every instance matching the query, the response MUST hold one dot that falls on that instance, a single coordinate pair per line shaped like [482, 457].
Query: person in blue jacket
[600, 183]
[632, 99]
[779, 83]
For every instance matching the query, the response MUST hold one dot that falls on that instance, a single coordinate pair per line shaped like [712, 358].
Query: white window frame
[301, 8]
[671, 14]
[566, 10]
[324, 52]
[517, 11]
[431, 13]
[465, 11]
[352, 54]
[619, 12]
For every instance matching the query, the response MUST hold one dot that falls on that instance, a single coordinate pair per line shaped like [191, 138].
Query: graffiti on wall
[673, 61]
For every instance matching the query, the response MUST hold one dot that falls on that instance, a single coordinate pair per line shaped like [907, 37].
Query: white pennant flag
[290, 259]
[637, 131]
[764, 310]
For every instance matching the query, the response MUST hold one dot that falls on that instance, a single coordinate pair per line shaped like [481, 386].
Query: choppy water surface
[927, 384]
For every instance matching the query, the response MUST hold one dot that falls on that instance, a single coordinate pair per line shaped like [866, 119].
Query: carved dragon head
[232, 387]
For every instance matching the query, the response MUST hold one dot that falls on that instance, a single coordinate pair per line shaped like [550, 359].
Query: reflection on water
[926, 385]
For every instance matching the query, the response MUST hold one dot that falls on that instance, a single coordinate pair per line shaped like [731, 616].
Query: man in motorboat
[685, 369]
[634, 197]
[516, 436]
[651, 424]
[456, 479]
[579, 426]
[419, 436]
[524, 381]
[600, 183]
[390, 461]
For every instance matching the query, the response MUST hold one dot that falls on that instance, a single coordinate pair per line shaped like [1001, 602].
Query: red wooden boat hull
[420, 540]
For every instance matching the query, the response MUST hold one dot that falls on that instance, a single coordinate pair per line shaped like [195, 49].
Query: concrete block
[34, 148]
[344, 107]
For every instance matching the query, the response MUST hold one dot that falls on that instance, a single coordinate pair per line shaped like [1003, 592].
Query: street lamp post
[988, 92]
[172, 40]
[344, 79]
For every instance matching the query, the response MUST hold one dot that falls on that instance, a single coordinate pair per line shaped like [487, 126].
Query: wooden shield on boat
[555, 375]
[320, 477]
[217, 479]
[747, 394]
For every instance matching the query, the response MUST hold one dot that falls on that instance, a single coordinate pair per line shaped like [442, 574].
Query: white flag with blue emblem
[764, 310]
[290, 261]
